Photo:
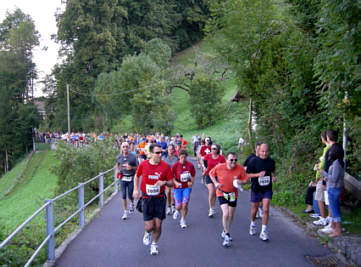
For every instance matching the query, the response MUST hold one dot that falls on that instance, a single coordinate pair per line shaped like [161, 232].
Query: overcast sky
[43, 14]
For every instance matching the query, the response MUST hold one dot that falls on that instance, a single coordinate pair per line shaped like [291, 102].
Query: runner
[156, 174]
[261, 171]
[246, 162]
[204, 150]
[126, 164]
[170, 159]
[209, 162]
[224, 176]
[183, 173]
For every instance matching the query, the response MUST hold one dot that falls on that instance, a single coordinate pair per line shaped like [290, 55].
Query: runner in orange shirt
[230, 176]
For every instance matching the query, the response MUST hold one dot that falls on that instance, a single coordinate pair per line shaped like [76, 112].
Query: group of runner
[162, 179]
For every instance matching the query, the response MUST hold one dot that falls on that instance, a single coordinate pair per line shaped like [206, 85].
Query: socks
[264, 228]
[253, 223]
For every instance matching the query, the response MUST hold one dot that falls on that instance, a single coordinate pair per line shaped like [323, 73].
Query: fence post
[115, 181]
[50, 229]
[101, 190]
[81, 204]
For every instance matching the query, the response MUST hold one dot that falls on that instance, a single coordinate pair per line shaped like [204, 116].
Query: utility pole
[68, 106]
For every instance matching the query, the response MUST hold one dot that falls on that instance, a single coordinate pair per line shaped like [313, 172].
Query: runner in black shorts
[261, 170]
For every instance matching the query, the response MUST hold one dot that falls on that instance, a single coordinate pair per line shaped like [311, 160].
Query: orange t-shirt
[184, 143]
[141, 148]
[225, 177]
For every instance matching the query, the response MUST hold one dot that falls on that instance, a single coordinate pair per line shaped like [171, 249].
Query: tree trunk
[250, 135]
[6, 167]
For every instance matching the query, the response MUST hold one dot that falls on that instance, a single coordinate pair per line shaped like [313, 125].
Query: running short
[222, 201]
[259, 195]
[319, 196]
[208, 179]
[182, 195]
[154, 207]
[123, 188]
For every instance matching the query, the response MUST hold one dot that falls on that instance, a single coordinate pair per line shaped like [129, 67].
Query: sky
[43, 14]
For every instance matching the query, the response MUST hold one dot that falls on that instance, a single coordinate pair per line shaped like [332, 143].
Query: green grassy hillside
[227, 130]
[29, 194]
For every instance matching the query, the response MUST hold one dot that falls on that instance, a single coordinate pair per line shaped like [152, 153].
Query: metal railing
[49, 207]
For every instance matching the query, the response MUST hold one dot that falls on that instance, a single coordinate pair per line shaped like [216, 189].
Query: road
[109, 241]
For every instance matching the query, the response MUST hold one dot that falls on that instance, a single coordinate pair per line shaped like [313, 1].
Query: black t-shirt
[248, 159]
[257, 165]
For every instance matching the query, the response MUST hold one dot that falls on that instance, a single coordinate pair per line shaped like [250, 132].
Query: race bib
[184, 177]
[231, 197]
[264, 181]
[127, 178]
[152, 190]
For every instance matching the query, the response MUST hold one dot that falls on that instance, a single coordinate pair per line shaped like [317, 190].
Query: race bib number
[152, 190]
[184, 177]
[127, 178]
[264, 181]
[231, 197]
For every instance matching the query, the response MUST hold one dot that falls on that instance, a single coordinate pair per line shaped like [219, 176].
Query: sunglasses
[231, 160]
[158, 152]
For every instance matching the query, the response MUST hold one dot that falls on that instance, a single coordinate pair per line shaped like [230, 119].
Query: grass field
[30, 193]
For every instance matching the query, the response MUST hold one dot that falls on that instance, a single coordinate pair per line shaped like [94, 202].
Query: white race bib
[184, 177]
[231, 197]
[264, 181]
[127, 178]
[152, 190]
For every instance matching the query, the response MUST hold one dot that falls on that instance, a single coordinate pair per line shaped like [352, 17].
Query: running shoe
[226, 242]
[169, 211]
[131, 207]
[321, 222]
[223, 235]
[176, 215]
[327, 229]
[173, 209]
[182, 223]
[147, 238]
[154, 249]
[252, 229]
[211, 212]
[264, 235]
[260, 212]
[125, 215]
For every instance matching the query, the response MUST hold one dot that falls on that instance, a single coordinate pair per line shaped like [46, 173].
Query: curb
[347, 248]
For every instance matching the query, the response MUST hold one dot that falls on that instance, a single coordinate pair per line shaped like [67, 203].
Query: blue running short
[182, 195]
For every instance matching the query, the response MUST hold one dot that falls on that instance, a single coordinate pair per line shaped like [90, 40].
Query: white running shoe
[125, 215]
[264, 235]
[211, 212]
[147, 238]
[223, 235]
[321, 222]
[327, 229]
[182, 223]
[154, 249]
[169, 211]
[176, 215]
[226, 242]
[252, 229]
[173, 208]
[131, 207]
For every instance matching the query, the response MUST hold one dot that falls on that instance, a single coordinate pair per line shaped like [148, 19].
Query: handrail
[49, 214]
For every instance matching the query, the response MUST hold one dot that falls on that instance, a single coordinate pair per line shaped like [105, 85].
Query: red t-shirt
[205, 150]
[225, 177]
[151, 174]
[211, 162]
[183, 173]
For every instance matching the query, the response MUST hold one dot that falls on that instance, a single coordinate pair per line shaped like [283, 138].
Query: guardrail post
[101, 190]
[115, 181]
[50, 229]
[81, 204]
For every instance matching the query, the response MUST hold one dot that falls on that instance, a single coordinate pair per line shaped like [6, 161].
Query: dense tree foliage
[97, 35]
[301, 71]
[18, 115]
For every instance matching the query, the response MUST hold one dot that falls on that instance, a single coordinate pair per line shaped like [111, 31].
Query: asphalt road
[109, 241]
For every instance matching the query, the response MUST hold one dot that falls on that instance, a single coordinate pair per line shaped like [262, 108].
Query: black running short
[222, 201]
[154, 207]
